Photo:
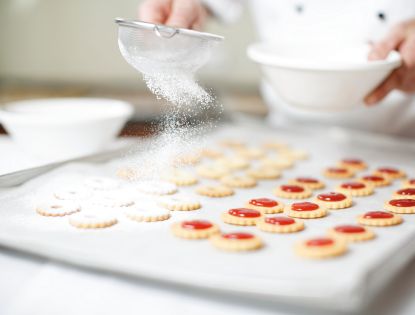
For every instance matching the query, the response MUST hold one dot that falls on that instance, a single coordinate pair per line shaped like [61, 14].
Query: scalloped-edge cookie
[305, 210]
[241, 216]
[334, 200]
[236, 241]
[338, 173]
[215, 191]
[194, 229]
[405, 193]
[85, 220]
[279, 224]
[292, 192]
[375, 180]
[57, 208]
[180, 177]
[355, 189]
[309, 182]
[212, 171]
[264, 172]
[321, 247]
[265, 205]
[379, 218]
[147, 213]
[403, 206]
[390, 172]
[352, 163]
[351, 233]
[238, 181]
[179, 202]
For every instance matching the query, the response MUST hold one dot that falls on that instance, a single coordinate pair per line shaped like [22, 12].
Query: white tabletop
[33, 285]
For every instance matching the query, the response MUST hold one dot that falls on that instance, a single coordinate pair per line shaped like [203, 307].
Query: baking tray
[273, 273]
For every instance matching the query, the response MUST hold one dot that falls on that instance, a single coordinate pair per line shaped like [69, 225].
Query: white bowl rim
[124, 110]
[254, 52]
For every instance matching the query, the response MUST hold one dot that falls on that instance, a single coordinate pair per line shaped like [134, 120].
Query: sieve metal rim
[156, 27]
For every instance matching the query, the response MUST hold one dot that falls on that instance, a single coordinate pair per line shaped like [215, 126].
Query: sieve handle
[158, 32]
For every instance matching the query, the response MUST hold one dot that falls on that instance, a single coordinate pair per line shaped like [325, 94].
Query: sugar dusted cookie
[390, 173]
[128, 173]
[190, 158]
[334, 200]
[351, 233]
[379, 218]
[154, 187]
[355, 189]
[149, 213]
[179, 202]
[238, 181]
[250, 153]
[57, 208]
[264, 172]
[305, 210]
[72, 193]
[85, 220]
[212, 171]
[309, 182]
[194, 229]
[338, 173]
[211, 153]
[409, 183]
[180, 177]
[215, 191]
[405, 193]
[354, 164]
[265, 205]
[280, 162]
[101, 183]
[375, 180]
[321, 247]
[234, 162]
[292, 192]
[236, 241]
[280, 224]
[241, 216]
[404, 206]
[112, 199]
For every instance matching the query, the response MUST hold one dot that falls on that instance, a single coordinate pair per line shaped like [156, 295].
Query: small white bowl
[315, 77]
[62, 128]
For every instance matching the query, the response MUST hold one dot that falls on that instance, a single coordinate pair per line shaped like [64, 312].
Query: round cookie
[293, 154]
[154, 187]
[404, 206]
[215, 191]
[211, 153]
[375, 180]
[321, 247]
[190, 158]
[233, 162]
[85, 220]
[57, 208]
[309, 182]
[274, 145]
[305, 210]
[379, 218]
[279, 224]
[236, 241]
[405, 193]
[390, 173]
[179, 202]
[264, 172]
[409, 183]
[101, 183]
[147, 214]
[334, 200]
[351, 233]
[355, 189]
[265, 205]
[73, 193]
[353, 164]
[180, 177]
[250, 153]
[238, 181]
[112, 199]
[277, 162]
[338, 173]
[241, 216]
[212, 171]
[194, 229]
[292, 192]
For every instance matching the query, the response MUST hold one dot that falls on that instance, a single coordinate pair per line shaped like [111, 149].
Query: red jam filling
[406, 192]
[304, 206]
[244, 213]
[307, 180]
[349, 229]
[263, 202]
[352, 161]
[388, 170]
[280, 220]
[373, 178]
[412, 181]
[402, 202]
[323, 241]
[237, 236]
[353, 185]
[332, 196]
[292, 188]
[337, 170]
[196, 225]
[377, 215]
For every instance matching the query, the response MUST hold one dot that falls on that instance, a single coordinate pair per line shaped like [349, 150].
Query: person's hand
[402, 39]
[178, 13]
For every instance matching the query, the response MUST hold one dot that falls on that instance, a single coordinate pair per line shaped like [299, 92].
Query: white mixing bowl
[63, 128]
[315, 77]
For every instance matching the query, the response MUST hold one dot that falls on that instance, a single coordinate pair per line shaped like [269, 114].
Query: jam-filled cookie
[305, 210]
[379, 218]
[236, 241]
[280, 224]
[404, 206]
[194, 229]
[292, 192]
[321, 247]
[390, 173]
[409, 183]
[238, 181]
[265, 205]
[354, 164]
[241, 216]
[405, 193]
[309, 182]
[355, 189]
[351, 233]
[334, 200]
[338, 173]
[375, 180]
